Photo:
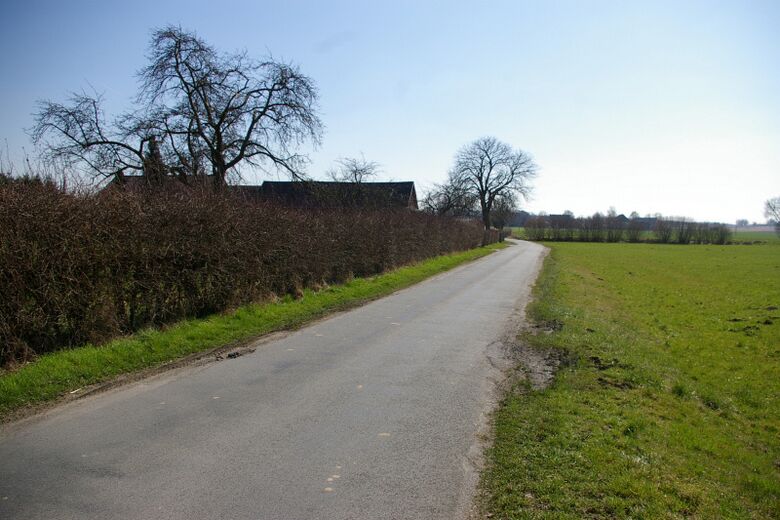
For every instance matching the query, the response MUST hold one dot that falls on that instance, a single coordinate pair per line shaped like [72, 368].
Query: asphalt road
[372, 413]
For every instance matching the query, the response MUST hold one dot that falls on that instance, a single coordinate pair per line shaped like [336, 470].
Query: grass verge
[669, 407]
[58, 373]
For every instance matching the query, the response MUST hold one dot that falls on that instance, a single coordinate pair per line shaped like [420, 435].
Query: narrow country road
[372, 413]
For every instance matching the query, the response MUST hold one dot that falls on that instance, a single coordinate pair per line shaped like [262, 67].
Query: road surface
[371, 413]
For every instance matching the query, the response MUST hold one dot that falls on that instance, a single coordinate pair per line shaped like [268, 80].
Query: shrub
[614, 227]
[684, 230]
[719, 233]
[663, 230]
[634, 230]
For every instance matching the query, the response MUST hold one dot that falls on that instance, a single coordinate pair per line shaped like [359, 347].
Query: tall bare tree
[198, 111]
[634, 228]
[238, 109]
[503, 208]
[772, 212]
[614, 226]
[663, 229]
[489, 168]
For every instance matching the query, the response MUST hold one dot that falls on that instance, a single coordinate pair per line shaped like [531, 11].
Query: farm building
[335, 194]
[309, 194]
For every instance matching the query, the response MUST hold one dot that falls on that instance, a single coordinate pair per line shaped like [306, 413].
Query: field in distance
[740, 236]
[666, 403]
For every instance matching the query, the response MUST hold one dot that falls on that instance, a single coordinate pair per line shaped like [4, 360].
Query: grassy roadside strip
[55, 374]
[667, 406]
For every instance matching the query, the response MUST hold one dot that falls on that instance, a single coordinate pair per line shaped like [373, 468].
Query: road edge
[501, 355]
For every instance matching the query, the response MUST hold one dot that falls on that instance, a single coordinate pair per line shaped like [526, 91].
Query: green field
[757, 236]
[667, 404]
[518, 232]
[58, 373]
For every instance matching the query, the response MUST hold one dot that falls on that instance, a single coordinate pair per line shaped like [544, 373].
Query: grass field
[757, 236]
[55, 374]
[518, 232]
[669, 403]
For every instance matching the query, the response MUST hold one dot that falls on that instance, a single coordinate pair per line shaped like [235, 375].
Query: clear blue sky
[654, 106]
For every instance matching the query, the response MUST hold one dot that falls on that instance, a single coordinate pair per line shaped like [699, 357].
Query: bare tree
[450, 199]
[237, 109]
[614, 225]
[663, 229]
[701, 233]
[77, 134]
[684, 230]
[772, 212]
[584, 229]
[489, 168]
[634, 228]
[197, 110]
[597, 227]
[720, 233]
[536, 228]
[503, 207]
[350, 169]
[569, 225]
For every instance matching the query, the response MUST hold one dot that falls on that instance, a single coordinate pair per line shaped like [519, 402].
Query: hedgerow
[78, 269]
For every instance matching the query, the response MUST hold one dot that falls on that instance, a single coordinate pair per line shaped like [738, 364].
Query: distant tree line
[616, 228]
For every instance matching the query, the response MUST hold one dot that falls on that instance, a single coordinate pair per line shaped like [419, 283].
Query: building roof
[336, 194]
[304, 193]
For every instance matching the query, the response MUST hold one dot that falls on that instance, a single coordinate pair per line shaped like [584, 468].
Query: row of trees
[612, 228]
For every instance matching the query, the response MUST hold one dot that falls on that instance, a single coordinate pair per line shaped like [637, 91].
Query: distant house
[309, 194]
[321, 194]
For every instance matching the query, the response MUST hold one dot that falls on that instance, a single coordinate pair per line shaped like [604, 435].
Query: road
[371, 413]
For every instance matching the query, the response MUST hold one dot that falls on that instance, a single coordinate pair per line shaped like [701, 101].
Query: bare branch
[77, 134]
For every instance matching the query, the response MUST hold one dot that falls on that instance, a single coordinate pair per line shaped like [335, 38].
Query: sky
[654, 107]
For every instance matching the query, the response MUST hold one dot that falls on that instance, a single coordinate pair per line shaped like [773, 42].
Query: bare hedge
[77, 269]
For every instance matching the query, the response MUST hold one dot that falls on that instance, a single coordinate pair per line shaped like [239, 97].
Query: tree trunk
[219, 172]
[486, 218]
